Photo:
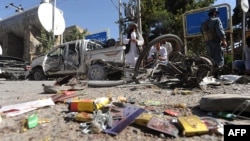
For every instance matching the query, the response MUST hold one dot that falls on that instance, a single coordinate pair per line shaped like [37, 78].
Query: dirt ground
[59, 129]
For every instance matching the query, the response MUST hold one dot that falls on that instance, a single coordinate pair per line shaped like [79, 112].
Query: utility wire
[115, 5]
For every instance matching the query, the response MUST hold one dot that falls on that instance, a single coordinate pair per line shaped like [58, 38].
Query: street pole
[139, 15]
[53, 18]
[243, 34]
[245, 8]
[120, 22]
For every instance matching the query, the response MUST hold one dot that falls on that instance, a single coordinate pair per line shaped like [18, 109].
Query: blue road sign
[101, 36]
[194, 20]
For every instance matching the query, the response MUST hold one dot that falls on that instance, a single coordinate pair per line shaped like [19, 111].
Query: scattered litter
[67, 83]
[101, 121]
[40, 121]
[17, 109]
[122, 99]
[226, 115]
[183, 92]
[86, 105]
[131, 112]
[116, 112]
[85, 127]
[151, 103]
[213, 125]
[151, 110]
[186, 92]
[210, 81]
[192, 125]
[230, 78]
[163, 126]
[53, 89]
[171, 112]
[32, 121]
[83, 117]
[143, 119]
[23, 126]
[64, 97]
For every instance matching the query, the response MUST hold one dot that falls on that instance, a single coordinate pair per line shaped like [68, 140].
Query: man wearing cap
[216, 38]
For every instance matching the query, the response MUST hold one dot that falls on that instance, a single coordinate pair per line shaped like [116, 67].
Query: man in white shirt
[160, 53]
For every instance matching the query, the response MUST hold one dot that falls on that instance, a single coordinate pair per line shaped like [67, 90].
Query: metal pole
[53, 18]
[243, 34]
[139, 15]
[120, 23]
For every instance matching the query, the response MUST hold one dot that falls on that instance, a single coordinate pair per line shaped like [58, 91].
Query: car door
[72, 57]
[53, 62]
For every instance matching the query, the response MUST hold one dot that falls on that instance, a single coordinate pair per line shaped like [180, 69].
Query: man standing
[134, 39]
[214, 37]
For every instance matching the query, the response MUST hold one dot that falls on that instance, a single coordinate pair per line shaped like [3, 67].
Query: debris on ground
[17, 109]
[112, 114]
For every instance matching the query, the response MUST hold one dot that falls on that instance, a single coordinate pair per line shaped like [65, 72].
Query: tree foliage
[47, 41]
[165, 16]
[75, 34]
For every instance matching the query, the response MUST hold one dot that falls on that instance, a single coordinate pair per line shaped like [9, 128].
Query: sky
[93, 15]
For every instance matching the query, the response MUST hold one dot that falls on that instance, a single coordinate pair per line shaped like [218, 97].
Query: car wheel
[97, 72]
[38, 74]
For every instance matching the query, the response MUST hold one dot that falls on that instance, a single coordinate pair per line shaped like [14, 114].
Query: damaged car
[87, 59]
[13, 68]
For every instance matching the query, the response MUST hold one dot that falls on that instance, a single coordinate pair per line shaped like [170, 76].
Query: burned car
[13, 68]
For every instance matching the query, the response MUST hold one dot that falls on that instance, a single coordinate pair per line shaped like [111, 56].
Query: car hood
[38, 61]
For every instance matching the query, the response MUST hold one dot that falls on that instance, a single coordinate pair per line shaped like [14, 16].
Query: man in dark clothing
[215, 39]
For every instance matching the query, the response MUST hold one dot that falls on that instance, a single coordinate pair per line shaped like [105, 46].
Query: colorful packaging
[192, 125]
[32, 121]
[88, 105]
[82, 106]
[83, 117]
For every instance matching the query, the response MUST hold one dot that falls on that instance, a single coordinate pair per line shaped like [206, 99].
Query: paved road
[21, 91]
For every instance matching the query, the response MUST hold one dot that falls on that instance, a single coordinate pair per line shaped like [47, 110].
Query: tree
[165, 16]
[75, 34]
[47, 41]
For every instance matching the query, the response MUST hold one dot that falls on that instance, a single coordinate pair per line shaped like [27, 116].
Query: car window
[93, 46]
[72, 49]
[57, 52]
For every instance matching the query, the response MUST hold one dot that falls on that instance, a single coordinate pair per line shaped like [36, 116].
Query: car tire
[38, 74]
[97, 72]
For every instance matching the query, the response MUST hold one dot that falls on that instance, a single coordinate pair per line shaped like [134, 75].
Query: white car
[83, 58]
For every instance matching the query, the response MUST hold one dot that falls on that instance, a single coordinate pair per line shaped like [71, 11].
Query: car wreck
[13, 68]
[89, 59]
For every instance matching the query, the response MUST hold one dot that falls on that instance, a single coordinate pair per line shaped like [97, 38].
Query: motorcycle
[189, 70]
